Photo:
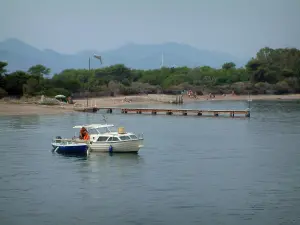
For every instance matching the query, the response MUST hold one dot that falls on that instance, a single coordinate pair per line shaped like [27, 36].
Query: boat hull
[132, 146]
[73, 149]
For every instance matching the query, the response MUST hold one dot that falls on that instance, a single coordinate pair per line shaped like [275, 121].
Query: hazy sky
[239, 27]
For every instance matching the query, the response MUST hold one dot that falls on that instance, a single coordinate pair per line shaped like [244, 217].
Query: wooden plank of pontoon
[168, 111]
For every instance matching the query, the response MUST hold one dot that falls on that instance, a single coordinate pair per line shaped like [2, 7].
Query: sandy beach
[12, 109]
[9, 108]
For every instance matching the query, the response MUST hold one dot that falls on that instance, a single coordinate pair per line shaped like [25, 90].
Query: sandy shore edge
[8, 108]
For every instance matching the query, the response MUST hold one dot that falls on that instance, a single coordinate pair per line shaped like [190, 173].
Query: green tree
[276, 70]
[31, 87]
[228, 65]
[2, 74]
[2, 68]
[39, 71]
[3, 93]
[14, 82]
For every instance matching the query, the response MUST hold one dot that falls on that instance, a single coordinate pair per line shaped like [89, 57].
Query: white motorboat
[103, 139]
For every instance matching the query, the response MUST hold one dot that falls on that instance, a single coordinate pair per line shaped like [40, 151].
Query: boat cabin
[116, 137]
[102, 133]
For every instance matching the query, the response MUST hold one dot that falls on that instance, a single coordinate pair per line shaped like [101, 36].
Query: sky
[239, 27]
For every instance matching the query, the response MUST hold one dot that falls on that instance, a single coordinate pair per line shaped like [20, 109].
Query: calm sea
[192, 170]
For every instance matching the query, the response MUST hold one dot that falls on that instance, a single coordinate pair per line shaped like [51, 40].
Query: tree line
[271, 71]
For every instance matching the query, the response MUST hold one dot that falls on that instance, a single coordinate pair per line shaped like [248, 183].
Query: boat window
[123, 138]
[102, 138]
[113, 139]
[109, 139]
[133, 137]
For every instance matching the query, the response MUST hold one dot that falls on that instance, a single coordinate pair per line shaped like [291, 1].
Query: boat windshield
[100, 130]
[93, 131]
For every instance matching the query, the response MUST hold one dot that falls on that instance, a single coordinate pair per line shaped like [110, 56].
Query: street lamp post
[100, 59]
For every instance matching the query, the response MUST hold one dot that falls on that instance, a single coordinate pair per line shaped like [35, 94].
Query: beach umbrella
[60, 96]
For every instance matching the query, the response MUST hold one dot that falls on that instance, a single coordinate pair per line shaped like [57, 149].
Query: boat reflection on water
[125, 159]
[100, 158]
[103, 168]
[72, 156]
[122, 156]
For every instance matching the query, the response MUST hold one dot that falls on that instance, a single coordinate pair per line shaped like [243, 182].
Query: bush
[145, 88]
[241, 88]
[3, 93]
[57, 91]
[128, 90]
[294, 84]
[282, 87]
[225, 89]
[263, 87]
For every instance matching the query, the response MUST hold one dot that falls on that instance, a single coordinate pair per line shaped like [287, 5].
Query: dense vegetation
[271, 71]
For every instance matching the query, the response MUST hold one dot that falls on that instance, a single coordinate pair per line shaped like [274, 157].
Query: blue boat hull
[70, 149]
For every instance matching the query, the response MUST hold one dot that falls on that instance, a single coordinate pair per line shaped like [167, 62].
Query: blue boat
[62, 146]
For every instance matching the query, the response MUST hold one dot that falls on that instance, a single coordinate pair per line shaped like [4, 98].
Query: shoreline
[246, 97]
[26, 109]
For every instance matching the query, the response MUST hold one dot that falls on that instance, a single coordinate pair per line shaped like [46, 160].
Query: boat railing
[67, 140]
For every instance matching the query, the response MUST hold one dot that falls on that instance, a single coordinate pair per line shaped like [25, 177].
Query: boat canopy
[95, 126]
[60, 96]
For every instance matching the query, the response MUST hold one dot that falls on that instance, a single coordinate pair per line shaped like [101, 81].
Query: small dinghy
[67, 146]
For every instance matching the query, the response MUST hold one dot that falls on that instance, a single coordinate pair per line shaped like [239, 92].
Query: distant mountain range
[21, 56]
